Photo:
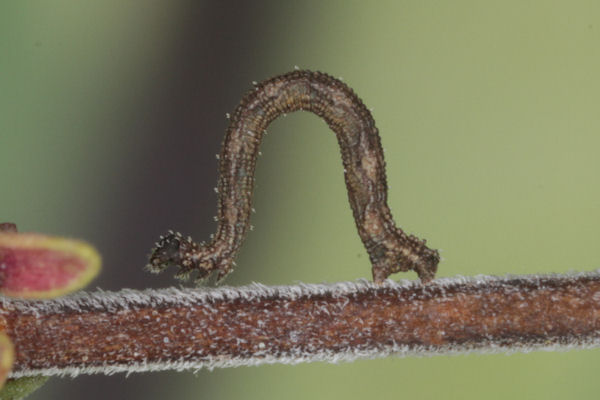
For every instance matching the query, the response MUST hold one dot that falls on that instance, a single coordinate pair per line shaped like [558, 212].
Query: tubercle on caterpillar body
[390, 249]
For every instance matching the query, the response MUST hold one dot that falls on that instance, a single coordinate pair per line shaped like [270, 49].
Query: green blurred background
[111, 113]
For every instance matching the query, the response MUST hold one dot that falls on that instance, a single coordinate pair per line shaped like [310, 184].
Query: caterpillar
[390, 249]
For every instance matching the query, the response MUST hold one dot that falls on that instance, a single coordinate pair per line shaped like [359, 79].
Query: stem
[132, 331]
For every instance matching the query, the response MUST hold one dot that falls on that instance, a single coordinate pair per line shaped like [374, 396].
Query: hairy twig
[151, 330]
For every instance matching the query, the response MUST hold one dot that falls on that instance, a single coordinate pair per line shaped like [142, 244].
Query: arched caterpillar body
[390, 249]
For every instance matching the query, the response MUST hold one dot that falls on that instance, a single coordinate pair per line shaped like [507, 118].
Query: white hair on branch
[191, 329]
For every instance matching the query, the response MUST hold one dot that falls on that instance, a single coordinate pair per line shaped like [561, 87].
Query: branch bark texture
[130, 331]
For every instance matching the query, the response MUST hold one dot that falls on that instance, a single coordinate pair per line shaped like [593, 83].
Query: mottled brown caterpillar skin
[389, 248]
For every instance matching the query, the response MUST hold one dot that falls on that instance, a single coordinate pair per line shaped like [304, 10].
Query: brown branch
[131, 331]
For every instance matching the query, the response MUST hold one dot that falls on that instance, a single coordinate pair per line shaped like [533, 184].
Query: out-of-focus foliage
[16, 389]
